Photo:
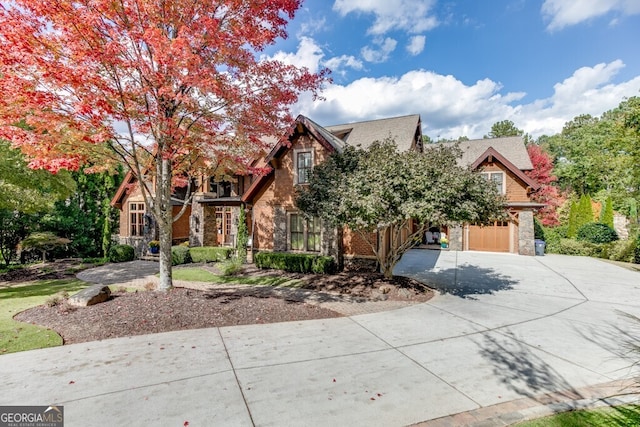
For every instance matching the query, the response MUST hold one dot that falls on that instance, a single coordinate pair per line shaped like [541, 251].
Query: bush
[636, 257]
[209, 254]
[553, 237]
[538, 230]
[121, 253]
[622, 250]
[295, 263]
[595, 232]
[573, 247]
[180, 255]
[231, 266]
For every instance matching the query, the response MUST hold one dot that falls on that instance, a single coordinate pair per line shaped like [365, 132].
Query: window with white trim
[304, 234]
[497, 178]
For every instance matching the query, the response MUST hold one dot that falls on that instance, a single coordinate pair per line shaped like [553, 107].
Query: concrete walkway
[507, 334]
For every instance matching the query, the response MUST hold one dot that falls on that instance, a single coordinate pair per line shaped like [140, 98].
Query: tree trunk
[164, 219]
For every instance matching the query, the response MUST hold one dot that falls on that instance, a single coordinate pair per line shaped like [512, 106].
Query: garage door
[490, 238]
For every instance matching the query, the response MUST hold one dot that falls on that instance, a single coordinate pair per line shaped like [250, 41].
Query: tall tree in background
[24, 195]
[504, 128]
[168, 86]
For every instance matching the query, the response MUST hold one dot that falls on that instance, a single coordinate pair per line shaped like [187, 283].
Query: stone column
[526, 234]
[455, 237]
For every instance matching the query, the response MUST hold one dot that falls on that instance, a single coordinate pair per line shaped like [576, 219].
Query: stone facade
[526, 244]
[455, 238]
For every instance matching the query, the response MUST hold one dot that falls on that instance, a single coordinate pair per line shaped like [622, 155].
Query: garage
[489, 238]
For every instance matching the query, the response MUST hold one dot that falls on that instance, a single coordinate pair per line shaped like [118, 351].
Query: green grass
[199, 275]
[619, 416]
[17, 336]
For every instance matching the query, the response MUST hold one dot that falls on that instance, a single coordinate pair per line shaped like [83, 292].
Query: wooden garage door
[490, 238]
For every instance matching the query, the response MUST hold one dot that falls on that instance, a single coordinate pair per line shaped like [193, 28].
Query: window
[136, 219]
[497, 178]
[304, 234]
[304, 163]
[221, 188]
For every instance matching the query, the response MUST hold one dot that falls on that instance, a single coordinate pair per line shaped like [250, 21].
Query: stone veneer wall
[621, 225]
[455, 238]
[526, 234]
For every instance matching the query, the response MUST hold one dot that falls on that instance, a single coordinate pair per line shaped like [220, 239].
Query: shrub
[538, 230]
[636, 257]
[553, 237]
[209, 254]
[295, 263]
[622, 250]
[595, 232]
[574, 247]
[180, 255]
[121, 253]
[231, 266]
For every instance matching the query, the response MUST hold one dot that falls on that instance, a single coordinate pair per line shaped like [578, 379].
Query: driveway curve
[504, 329]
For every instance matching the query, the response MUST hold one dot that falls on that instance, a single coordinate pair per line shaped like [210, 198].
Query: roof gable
[511, 148]
[492, 154]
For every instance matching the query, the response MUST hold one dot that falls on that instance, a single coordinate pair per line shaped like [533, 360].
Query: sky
[464, 65]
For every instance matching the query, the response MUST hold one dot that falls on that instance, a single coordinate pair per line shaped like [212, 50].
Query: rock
[94, 294]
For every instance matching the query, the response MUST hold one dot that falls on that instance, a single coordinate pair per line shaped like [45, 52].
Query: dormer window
[223, 188]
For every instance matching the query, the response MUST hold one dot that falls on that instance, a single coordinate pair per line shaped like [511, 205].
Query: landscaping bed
[226, 304]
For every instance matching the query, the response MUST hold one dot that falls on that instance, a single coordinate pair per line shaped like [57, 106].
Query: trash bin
[540, 245]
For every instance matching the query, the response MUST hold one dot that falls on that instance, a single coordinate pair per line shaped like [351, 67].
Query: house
[275, 224]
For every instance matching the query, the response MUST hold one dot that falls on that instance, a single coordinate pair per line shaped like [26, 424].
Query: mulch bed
[144, 312]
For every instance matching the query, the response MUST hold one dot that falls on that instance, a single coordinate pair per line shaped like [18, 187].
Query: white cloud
[412, 16]
[563, 13]
[451, 108]
[338, 64]
[309, 55]
[385, 47]
[416, 45]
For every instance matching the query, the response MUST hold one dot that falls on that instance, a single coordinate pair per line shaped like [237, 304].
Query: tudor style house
[275, 224]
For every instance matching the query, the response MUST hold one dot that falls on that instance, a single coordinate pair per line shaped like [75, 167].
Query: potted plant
[444, 242]
[154, 246]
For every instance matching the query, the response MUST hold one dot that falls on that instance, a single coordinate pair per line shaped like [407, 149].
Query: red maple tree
[548, 193]
[170, 87]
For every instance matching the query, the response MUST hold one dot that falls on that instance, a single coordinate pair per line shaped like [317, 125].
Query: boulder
[94, 294]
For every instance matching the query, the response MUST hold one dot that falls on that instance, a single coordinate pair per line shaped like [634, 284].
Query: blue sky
[464, 65]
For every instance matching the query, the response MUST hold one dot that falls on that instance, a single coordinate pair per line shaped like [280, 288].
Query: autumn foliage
[548, 193]
[171, 87]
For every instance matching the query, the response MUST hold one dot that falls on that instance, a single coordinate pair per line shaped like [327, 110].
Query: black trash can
[540, 245]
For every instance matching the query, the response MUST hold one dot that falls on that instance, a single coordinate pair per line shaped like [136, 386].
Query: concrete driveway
[506, 333]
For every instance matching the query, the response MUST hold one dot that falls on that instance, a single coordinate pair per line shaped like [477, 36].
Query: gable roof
[511, 148]
[405, 130]
[492, 154]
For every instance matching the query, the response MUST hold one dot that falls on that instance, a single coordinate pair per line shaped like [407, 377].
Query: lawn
[619, 416]
[194, 274]
[17, 336]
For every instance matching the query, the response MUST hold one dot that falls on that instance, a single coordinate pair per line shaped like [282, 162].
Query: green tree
[504, 128]
[572, 228]
[380, 190]
[43, 242]
[584, 213]
[606, 214]
[243, 236]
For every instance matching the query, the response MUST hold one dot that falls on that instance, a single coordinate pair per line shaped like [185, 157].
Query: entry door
[489, 238]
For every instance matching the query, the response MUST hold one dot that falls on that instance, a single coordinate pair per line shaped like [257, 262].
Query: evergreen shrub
[209, 254]
[180, 255]
[295, 263]
[121, 253]
[596, 232]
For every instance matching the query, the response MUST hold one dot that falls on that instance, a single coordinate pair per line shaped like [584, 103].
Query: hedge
[595, 232]
[295, 263]
[121, 253]
[209, 254]
[180, 255]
